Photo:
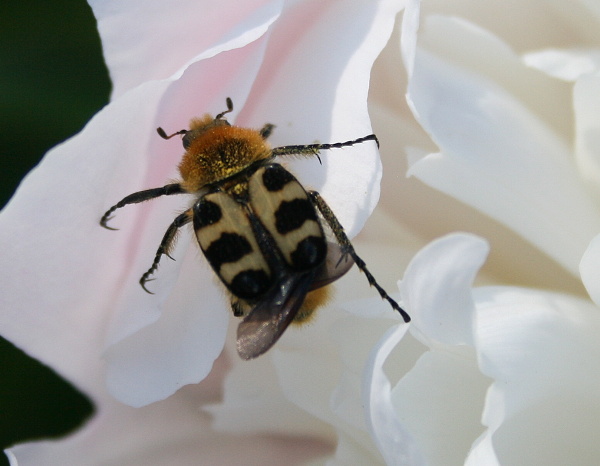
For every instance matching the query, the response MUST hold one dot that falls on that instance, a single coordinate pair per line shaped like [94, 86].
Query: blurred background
[53, 79]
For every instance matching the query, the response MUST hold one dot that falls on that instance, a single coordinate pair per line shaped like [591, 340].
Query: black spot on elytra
[309, 253]
[275, 177]
[291, 215]
[230, 247]
[206, 213]
[250, 284]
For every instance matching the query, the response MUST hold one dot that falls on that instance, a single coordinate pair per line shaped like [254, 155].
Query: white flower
[487, 375]
[508, 372]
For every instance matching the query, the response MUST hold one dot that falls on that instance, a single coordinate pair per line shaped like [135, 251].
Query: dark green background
[52, 79]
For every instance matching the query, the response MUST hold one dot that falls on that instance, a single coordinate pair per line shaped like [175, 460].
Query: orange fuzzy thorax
[216, 152]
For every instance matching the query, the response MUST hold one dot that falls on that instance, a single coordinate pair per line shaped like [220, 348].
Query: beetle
[260, 230]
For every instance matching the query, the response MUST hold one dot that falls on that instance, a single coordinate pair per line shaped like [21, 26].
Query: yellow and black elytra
[259, 229]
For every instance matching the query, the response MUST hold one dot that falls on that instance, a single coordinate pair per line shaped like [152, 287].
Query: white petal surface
[437, 288]
[568, 65]
[440, 402]
[541, 349]
[586, 102]
[445, 386]
[255, 402]
[393, 439]
[590, 270]
[410, 27]
[499, 157]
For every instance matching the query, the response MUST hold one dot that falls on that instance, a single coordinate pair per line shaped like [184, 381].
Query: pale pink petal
[178, 349]
[152, 40]
[173, 432]
[63, 272]
[313, 85]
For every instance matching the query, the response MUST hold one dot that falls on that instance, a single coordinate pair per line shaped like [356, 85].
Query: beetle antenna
[229, 103]
[162, 134]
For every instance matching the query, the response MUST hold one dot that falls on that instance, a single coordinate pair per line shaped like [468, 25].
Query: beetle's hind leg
[166, 245]
[347, 248]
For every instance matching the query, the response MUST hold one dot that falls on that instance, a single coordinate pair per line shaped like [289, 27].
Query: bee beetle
[259, 229]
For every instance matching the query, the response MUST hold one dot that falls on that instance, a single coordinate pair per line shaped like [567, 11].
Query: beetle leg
[347, 248]
[166, 245]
